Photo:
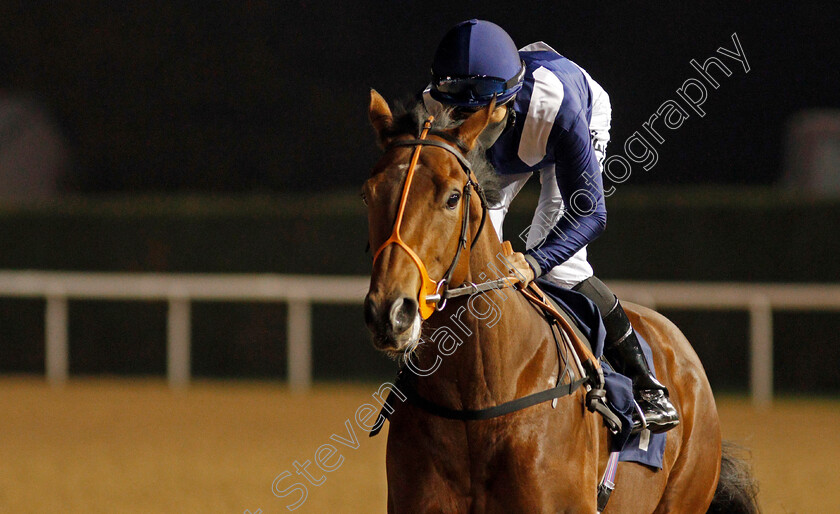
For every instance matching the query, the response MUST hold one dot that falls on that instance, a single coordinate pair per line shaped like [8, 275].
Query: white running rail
[179, 290]
[301, 291]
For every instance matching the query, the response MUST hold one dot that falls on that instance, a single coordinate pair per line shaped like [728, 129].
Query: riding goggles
[475, 87]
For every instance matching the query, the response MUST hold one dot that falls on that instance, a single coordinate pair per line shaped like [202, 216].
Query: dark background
[271, 96]
[181, 106]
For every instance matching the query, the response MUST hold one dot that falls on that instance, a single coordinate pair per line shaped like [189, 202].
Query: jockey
[552, 119]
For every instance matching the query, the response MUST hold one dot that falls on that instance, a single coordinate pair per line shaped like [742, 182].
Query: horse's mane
[409, 117]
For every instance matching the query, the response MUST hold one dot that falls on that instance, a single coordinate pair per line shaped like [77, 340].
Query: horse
[493, 347]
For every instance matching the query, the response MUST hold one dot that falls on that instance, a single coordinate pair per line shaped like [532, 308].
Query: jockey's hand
[521, 269]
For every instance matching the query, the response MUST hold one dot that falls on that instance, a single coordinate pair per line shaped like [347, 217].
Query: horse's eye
[452, 202]
[364, 198]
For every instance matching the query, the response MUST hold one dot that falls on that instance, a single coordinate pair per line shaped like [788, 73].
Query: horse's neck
[504, 347]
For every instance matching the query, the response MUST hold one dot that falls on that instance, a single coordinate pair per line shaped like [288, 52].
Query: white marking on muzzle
[413, 340]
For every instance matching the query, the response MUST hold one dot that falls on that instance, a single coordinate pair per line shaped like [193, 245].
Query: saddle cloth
[644, 447]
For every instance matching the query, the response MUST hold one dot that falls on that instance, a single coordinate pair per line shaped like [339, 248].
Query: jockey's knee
[598, 293]
[615, 319]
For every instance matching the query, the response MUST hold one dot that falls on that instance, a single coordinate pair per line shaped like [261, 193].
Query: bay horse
[545, 458]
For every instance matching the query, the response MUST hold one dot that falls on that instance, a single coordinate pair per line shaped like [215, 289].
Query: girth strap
[405, 383]
[558, 391]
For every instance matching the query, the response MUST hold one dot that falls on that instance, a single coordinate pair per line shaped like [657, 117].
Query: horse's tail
[737, 489]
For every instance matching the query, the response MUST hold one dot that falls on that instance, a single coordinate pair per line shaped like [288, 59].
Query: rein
[433, 295]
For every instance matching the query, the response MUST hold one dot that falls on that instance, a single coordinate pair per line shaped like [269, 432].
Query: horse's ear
[469, 131]
[380, 116]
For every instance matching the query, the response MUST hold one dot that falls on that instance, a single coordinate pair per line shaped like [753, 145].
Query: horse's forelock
[409, 117]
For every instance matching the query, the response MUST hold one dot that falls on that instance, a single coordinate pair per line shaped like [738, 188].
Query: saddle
[588, 365]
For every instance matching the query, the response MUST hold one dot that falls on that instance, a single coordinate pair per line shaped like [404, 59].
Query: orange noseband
[428, 286]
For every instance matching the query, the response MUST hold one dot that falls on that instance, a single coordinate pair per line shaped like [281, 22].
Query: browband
[440, 144]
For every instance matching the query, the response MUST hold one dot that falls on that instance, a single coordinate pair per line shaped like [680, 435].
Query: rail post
[299, 339]
[761, 351]
[178, 330]
[55, 338]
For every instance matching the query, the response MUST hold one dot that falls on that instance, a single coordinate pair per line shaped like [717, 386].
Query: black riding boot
[624, 353]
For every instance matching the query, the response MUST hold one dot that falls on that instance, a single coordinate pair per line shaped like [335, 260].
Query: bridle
[433, 295]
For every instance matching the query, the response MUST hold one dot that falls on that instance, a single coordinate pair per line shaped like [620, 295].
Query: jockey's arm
[581, 187]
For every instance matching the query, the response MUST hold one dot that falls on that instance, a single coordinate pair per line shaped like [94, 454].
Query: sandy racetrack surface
[122, 445]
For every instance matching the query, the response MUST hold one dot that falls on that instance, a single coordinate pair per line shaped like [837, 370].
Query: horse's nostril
[403, 313]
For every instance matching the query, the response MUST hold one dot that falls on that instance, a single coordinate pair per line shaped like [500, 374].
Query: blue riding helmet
[474, 61]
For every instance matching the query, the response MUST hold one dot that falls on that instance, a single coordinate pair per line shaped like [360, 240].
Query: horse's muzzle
[392, 322]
